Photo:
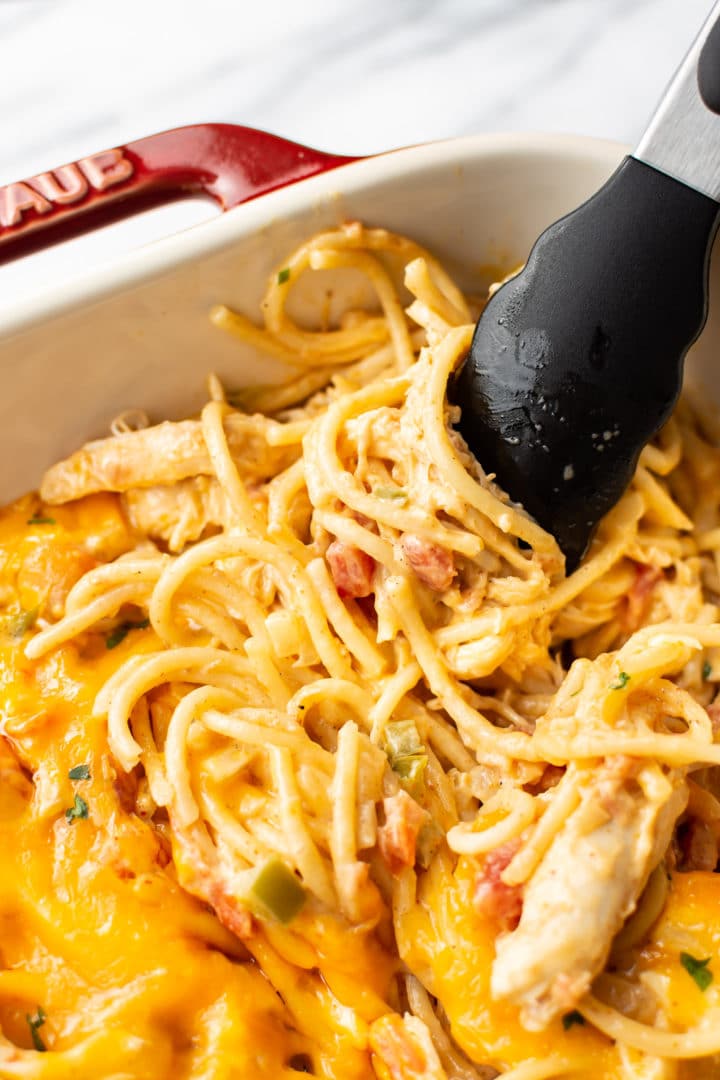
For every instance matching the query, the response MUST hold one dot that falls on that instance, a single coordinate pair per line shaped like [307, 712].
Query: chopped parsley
[38, 519]
[284, 275]
[707, 670]
[622, 681]
[697, 969]
[79, 809]
[571, 1018]
[122, 630]
[79, 772]
[35, 1022]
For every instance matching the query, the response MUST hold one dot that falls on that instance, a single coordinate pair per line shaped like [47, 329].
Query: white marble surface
[353, 76]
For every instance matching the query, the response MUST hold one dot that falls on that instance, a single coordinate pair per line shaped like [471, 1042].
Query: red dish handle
[231, 164]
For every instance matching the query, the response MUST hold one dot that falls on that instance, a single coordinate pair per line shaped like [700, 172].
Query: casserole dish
[477, 202]
[365, 492]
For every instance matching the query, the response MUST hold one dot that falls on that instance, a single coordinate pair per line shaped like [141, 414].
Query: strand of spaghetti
[475, 729]
[153, 670]
[440, 795]
[282, 492]
[244, 514]
[223, 764]
[520, 807]
[185, 807]
[355, 235]
[700, 1041]
[386, 293]
[220, 627]
[273, 399]
[289, 433]
[351, 532]
[434, 325]
[304, 853]
[232, 322]
[369, 657]
[293, 577]
[267, 673]
[323, 690]
[328, 479]
[626, 514]
[229, 832]
[447, 742]
[658, 502]
[344, 817]
[233, 598]
[393, 691]
[419, 282]
[152, 759]
[561, 747]
[71, 625]
[564, 801]
[123, 571]
[419, 1002]
[332, 342]
[663, 459]
[264, 734]
[502, 515]
[647, 912]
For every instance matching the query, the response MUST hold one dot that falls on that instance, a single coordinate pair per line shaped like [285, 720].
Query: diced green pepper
[279, 891]
[428, 841]
[406, 753]
[402, 739]
[411, 769]
[395, 494]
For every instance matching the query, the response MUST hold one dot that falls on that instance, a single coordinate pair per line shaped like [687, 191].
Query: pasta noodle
[314, 760]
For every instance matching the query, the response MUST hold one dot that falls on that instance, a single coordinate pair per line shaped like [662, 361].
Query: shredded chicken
[163, 454]
[586, 885]
[178, 513]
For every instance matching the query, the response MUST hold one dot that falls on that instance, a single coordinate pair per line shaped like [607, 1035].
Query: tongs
[577, 361]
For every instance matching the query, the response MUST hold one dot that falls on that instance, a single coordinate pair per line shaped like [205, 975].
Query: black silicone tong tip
[577, 361]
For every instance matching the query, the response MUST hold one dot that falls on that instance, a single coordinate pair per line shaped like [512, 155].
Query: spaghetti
[313, 759]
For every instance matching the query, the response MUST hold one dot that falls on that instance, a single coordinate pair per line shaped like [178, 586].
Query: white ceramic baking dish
[137, 333]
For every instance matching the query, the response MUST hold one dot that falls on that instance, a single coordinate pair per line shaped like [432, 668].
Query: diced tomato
[351, 569]
[397, 838]
[638, 599]
[433, 565]
[493, 897]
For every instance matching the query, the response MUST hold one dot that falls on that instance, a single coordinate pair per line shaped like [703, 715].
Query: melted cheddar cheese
[135, 977]
[107, 963]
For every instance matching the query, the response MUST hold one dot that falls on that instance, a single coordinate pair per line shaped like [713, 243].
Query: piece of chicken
[586, 885]
[178, 513]
[163, 454]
